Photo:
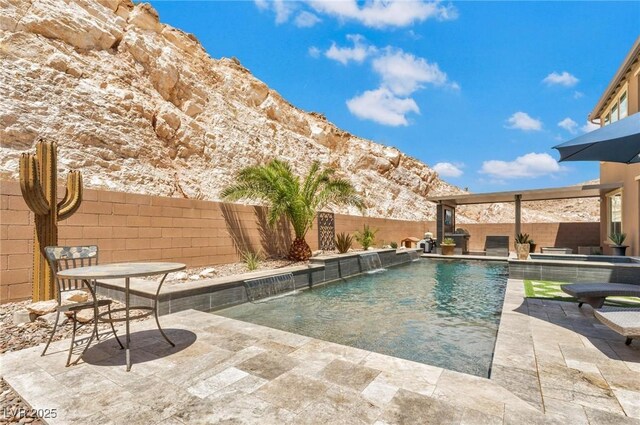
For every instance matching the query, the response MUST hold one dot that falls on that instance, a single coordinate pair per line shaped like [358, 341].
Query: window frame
[609, 196]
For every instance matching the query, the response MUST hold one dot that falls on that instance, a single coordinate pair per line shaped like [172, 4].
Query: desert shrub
[252, 259]
[367, 237]
[343, 242]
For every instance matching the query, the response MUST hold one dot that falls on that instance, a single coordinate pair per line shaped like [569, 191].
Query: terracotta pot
[448, 249]
[523, 249]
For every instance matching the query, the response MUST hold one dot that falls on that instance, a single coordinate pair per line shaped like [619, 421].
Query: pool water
[442, 313]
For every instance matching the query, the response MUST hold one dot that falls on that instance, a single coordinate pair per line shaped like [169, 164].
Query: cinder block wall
[565, 235]
[133, 227]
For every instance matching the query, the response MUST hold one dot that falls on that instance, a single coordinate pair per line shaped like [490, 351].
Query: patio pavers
[553, 364]
[567, 364]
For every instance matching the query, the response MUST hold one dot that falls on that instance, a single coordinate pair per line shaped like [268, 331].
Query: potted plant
[618, 240]
[532, 246]
[448, 246]
[523, 247]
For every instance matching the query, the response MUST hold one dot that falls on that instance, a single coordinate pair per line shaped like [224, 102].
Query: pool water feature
[264, 288]
[414, 255]
[442, 313]
[370, 262]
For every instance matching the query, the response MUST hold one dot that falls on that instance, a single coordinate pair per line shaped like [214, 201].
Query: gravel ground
[16, 337]
[222, 270]
[14, 409]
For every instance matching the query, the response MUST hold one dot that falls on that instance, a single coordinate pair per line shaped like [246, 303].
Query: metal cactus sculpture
[38, 182]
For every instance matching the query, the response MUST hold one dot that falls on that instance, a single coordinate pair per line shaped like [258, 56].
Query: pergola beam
[568, 192]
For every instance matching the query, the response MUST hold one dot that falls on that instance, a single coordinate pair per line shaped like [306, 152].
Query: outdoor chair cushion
[625, 321]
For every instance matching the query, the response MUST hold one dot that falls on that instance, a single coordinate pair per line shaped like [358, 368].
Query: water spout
[414, 255]
[268, 287]
[370, 262]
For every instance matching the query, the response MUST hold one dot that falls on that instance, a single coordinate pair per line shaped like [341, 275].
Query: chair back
[497, 246]
[66, 257]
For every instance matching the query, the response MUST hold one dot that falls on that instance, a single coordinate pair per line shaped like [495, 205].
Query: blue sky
[479, 90]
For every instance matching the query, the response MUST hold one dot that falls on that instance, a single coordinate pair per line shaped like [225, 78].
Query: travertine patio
[553, 364]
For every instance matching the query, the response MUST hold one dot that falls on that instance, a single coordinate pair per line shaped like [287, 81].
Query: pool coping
[464, 257]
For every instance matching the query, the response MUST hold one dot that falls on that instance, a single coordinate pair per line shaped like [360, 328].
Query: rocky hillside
[140, 106]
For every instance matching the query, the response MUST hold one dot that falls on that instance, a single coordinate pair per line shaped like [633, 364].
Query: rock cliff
[140, 106]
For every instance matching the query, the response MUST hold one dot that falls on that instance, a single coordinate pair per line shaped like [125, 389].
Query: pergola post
[518, 214]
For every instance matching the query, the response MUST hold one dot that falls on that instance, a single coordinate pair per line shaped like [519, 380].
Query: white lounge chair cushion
[625, 321]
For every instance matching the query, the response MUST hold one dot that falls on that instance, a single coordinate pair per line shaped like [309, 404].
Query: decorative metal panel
[326, 231]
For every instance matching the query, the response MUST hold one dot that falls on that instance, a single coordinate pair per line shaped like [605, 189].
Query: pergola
[516, 196]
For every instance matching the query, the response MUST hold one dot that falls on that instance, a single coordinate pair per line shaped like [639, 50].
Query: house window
[624, 107]
[614, 204]
[614, 113]
[607, 119]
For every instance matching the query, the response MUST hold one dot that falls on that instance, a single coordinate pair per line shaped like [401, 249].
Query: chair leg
[113, 329]
[55, 326]
[73, 339]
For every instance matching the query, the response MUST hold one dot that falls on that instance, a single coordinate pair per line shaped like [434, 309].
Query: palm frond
[276, 184]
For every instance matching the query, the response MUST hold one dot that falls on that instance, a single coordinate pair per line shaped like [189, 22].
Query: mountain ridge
[140, 106]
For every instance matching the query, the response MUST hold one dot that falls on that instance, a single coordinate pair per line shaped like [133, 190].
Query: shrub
[394, 245]
[367, 237]
[522, 238]
[343, 242]
[448, 241]
[618, 238]
[252, 259]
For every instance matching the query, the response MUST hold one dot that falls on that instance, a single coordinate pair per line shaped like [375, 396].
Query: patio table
[126, 271]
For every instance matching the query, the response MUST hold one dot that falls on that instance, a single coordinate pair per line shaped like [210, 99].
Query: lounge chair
[594, 294]
[496, 246]
[625, 321]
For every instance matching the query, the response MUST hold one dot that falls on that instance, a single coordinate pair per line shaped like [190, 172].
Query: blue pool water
[442, 313]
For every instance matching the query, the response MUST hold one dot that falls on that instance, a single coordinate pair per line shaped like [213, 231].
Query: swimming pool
[442, 313]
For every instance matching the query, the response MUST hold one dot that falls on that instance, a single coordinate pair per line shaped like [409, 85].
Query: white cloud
[522, 121]
[282, 8]
[447, 169]
[383, 107]
[588, 127]
[385, 13]
[563, 79]
[529, 165]
[314, 52]
[577, 94]
[306, 19]
[358, 53]
[403, 73]
[568, 124]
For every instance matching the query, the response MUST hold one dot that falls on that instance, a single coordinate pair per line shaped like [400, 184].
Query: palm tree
[276, 185]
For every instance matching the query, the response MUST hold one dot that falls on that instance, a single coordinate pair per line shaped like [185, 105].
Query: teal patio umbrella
[617, 142]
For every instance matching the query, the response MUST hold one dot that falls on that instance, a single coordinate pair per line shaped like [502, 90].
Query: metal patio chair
[65, 257]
